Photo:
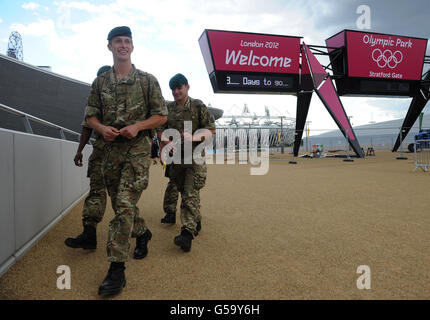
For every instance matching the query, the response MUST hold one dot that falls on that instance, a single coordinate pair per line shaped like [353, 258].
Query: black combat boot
[114, 281]
[184, 240]
[169, 218]
[86, 240]
[141, 249]
[198, 228]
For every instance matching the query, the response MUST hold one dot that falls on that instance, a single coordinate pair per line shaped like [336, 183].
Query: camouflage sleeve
[85, 124]
[164, 126]
[207, 120]
[93, 107]
[156, 103]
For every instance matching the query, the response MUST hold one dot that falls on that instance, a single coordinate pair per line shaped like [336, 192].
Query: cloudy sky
[70, 36]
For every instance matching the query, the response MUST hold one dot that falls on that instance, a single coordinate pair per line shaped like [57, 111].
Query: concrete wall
[39, 184]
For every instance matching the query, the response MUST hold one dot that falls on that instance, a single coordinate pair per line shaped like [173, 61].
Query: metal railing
[27, 117]
[422, 155]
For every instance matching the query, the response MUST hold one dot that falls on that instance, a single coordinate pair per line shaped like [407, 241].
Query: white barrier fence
[39, 184]
[422, 155]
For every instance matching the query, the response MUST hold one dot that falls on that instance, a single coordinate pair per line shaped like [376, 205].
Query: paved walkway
[299, 232]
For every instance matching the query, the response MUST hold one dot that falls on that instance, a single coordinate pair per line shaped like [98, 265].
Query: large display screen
[251, 62]
[250, 52]
[233, 81]
[381, 56]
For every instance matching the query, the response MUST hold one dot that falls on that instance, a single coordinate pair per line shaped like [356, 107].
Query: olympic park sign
[375, 63]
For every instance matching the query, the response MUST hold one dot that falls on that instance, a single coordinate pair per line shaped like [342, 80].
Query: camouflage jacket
[123, 102]
[194, 110]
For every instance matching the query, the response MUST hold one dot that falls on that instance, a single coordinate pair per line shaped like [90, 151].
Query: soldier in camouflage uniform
[95, 202]
[188, 178]
[123, 106]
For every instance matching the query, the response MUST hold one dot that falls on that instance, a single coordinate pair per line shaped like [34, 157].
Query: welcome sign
[255, 52]
[239, 61]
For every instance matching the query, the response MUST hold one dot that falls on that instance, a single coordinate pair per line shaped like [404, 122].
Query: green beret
[177, 81]
[119, 31]
[103, 70]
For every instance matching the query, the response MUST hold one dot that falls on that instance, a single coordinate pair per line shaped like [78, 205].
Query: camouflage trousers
[95, 202]
[189, 179]
[171, 196]
[125, 178]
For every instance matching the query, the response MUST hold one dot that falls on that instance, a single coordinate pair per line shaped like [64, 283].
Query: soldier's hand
[109, 133]
[78, 159]
[129, 132]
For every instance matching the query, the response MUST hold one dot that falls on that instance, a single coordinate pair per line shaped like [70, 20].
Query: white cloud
[1, 20]
[30, 6]
[42, 28]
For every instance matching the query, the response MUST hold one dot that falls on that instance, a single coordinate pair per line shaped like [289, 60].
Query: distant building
[37, 91]
[381, 135]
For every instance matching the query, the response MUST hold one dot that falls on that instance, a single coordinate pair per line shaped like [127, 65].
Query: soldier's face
[121, 48]
[181, 94]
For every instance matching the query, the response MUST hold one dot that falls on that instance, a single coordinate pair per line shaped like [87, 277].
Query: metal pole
[292, 161]
[402, 157]
[282, 145]
[27, 125]
[306, 135]
[348, 159]
[63, 136]
[415, 156]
